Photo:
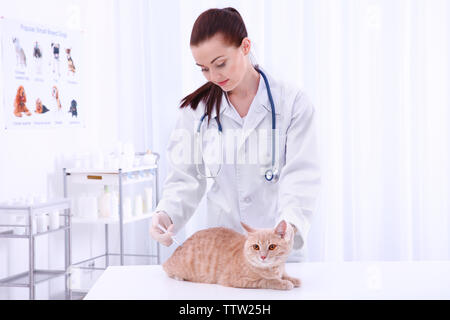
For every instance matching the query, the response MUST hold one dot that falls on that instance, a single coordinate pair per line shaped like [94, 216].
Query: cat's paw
[175, 277]
[286, 285]
[295, 281]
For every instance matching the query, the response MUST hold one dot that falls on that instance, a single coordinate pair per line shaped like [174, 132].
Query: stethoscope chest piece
[271, 175]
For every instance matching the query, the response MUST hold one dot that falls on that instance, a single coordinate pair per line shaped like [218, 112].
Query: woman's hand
[162, 218]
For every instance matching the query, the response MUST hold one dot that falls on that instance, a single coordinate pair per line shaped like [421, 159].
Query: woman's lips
[223, 83]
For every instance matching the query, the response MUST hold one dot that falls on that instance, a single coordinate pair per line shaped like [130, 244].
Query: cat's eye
[256, 247]
[272, 246]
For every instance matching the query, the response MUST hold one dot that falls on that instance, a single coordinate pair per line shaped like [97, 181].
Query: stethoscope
[271, 175]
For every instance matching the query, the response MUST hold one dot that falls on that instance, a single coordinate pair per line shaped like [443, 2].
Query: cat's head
[268, 247]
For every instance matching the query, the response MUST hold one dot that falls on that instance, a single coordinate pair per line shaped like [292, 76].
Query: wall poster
[41, 69]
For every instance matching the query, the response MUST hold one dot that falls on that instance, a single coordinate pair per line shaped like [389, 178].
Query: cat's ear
[280, 229]
[247, 228]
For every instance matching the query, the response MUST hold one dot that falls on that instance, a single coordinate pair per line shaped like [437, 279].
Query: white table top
[346, 280]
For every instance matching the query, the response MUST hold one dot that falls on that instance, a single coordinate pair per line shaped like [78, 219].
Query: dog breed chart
[41, 75]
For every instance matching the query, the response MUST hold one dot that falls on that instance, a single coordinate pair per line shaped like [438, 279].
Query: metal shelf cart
[117, 178]
[32, 277]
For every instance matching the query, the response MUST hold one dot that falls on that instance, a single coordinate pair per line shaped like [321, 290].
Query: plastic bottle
[115, 205]
[127, 208]
[138, 205]
[148, 200]
[104, 204]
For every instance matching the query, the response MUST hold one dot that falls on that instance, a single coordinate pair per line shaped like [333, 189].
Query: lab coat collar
[256, 114]
[223, 106]
[259, 110]
[261, 102]
[262, 92]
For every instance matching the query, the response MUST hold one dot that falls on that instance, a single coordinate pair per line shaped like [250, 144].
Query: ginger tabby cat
[226, 257]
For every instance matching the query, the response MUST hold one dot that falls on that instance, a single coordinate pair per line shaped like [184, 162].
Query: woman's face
[220, 63]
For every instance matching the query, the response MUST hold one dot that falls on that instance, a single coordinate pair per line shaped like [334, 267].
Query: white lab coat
[240, 192]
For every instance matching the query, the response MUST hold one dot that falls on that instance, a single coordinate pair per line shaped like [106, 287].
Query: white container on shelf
[128, 148]
[78, 163]
[85, 161]
[111, 162]
[39, 199]
[149, 159]
[34, 227]
[29, 200]
[115, 205]
[127, 208]
[128, 155]
[118, 148]
[20, 219]
[42, 223]
[97, 160]
[80, 206]
[93, 208]
[4, 220]
[74, 206]
[138, 205]
[88, 207]
[54, 221]
[75, 278]
[123, 163]
[148, 200]
[104, 204]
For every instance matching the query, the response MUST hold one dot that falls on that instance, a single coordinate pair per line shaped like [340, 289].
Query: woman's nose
[215, 77]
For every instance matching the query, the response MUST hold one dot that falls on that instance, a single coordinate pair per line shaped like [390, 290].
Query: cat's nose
[263, 257]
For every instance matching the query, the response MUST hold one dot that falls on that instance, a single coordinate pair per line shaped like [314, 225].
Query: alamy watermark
[232, 146]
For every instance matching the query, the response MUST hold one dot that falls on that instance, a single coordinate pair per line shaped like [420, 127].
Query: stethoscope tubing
[269, 174]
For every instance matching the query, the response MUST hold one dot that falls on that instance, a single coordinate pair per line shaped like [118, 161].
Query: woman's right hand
[162, 218]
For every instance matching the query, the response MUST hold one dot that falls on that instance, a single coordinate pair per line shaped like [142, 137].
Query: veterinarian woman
[262, 175]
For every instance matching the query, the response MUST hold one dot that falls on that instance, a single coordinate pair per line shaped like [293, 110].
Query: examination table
[343, 280]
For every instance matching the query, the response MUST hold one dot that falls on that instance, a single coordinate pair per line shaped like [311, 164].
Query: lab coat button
[247, 199]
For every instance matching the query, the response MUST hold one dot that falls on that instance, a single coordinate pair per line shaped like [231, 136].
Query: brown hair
[229, 23]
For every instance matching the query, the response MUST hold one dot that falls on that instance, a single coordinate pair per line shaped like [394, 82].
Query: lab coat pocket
[212, 151]
[271, 145]
[269, 198]
[281, 149]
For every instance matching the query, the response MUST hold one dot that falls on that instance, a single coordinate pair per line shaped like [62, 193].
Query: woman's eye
[218, 66]
[272, 246]
[256, 247]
